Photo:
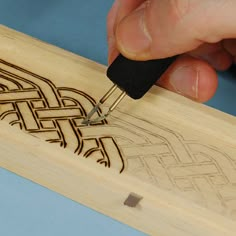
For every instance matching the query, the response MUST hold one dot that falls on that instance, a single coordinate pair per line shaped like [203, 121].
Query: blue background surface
[78, 26]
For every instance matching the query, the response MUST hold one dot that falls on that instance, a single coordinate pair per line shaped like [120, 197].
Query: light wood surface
[178, 155]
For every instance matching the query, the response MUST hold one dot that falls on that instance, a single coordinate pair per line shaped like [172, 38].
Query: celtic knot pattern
[151, 152]
[37, 106]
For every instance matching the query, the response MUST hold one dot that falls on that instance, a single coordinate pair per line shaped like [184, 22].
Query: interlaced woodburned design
[37, 106]
[149, 151]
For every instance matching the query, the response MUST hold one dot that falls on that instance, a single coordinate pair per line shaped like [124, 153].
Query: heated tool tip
[134, 78]
[88, 120]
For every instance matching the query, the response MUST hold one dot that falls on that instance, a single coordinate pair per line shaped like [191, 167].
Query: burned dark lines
[51, 113]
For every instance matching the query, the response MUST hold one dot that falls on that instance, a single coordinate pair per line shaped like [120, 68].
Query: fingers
[230, 46]
[192, 78]
[161, 28]
[119, 10]
[215, 54]
[149, 29]
[111, 21]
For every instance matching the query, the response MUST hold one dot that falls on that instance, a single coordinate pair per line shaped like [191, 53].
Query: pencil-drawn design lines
[201, 172]
[149, 151]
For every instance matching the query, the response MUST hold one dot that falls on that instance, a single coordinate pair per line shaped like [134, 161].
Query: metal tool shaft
[88, 120]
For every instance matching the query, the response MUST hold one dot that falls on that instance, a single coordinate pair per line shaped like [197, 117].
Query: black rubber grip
[137, 77]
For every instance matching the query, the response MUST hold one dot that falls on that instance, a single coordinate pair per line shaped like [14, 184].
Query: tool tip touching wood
[88, 121]
[134, 78]
[176, 156]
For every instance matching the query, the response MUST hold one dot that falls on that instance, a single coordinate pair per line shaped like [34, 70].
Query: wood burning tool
[133, 78]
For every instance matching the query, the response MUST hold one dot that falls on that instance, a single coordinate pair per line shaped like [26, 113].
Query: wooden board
[178, 155]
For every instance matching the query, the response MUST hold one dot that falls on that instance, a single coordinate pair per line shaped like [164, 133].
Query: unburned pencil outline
[149, 151]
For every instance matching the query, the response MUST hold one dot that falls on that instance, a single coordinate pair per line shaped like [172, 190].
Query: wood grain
[178, 155]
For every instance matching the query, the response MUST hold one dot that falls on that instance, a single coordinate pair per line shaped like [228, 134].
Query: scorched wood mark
[37, 106]
[146, 150]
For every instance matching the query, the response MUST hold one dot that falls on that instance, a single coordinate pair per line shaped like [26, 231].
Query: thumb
[161, 28]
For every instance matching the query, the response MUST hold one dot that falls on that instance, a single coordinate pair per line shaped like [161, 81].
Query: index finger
[119, 10]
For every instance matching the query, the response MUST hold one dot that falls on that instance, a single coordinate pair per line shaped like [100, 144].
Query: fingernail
[185, 80]
[133, 36]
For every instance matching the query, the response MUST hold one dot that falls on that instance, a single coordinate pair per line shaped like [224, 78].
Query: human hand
[202, 31]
